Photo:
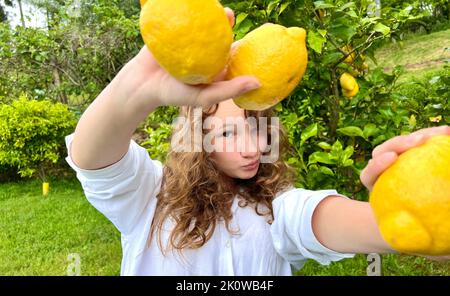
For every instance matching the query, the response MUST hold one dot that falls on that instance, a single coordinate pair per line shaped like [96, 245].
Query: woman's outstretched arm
[349, 226]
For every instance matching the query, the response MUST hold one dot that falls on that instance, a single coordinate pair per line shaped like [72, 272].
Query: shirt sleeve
[123, 190]
[292, 232]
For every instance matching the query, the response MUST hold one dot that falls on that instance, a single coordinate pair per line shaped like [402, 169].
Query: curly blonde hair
[195, 194]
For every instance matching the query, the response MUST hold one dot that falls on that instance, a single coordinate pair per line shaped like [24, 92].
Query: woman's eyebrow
[235, 124]
[229, 124]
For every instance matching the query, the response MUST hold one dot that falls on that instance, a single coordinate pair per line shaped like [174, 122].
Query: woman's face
[235, 141]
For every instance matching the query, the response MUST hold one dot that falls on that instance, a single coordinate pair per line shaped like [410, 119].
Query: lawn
[419, 54]
[38, 233]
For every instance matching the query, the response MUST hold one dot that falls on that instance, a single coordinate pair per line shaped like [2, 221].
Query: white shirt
[125, 192]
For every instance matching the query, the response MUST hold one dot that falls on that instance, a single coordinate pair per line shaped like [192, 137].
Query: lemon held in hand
[190, 39]
[411, 200]
[276, 56]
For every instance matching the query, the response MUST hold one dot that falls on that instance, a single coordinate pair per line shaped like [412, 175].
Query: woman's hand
[384, 155]
[146, 81]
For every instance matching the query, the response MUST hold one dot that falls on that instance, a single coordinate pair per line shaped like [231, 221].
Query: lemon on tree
[411, 200]
[350, 87]
[190, 39]
[351, 57]
[274, 54]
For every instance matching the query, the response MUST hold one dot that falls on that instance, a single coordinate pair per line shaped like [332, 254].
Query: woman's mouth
[251, 166]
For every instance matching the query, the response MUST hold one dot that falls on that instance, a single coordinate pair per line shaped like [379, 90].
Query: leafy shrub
[32, 135]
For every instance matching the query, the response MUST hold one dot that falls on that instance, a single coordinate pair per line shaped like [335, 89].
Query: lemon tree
[334, 128]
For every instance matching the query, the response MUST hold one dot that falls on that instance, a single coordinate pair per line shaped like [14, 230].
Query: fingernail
[251, 86]
[415, 139]
[390, 155]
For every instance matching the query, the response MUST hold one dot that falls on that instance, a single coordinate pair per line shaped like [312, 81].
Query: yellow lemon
[351, 93]
[411, 200]
[142, 2]
[274, 54]
[348, 82]
[351, 58]
[350, 87]
[190, 39]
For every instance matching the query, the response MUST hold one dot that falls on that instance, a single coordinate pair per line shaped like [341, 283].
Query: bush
[73, 60]
[32, 135]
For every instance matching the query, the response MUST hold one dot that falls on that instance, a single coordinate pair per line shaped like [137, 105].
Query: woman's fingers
[402, 143]
[385, 154]
[235, 44]
[224, 90]
[230, 15]
[221, 76]
[375, 167]
[398, 144]
[434, 131]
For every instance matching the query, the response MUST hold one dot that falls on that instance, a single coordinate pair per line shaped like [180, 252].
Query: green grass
[38, 233]
[419, 54]
[391, 265]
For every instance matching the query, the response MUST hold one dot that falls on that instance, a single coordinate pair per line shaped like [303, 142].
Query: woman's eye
[227, 134]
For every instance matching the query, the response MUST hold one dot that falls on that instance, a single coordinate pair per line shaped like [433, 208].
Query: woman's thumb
[224, 90]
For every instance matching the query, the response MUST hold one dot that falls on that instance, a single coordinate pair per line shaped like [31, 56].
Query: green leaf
[322, 32]
[309, 132]
[316, 41]
[240, 17]
[331, 58]
[323, 5]
[347, 163]
[346, 5]
[352, 131]
[243, 28]
[292, 160]
[278, 107]
[347, 154]
[336, 148]
[324, 145]
[351, 13]
[370, 129]
[343, 31]
[271, 6]
[385, 30]
[326, 170]
[283, 7]
[379, 139]
[320, 157]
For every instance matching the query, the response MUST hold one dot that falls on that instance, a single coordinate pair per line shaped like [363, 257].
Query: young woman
[217, 212]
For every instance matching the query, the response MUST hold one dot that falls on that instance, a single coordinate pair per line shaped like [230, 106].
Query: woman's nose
[250, 149]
